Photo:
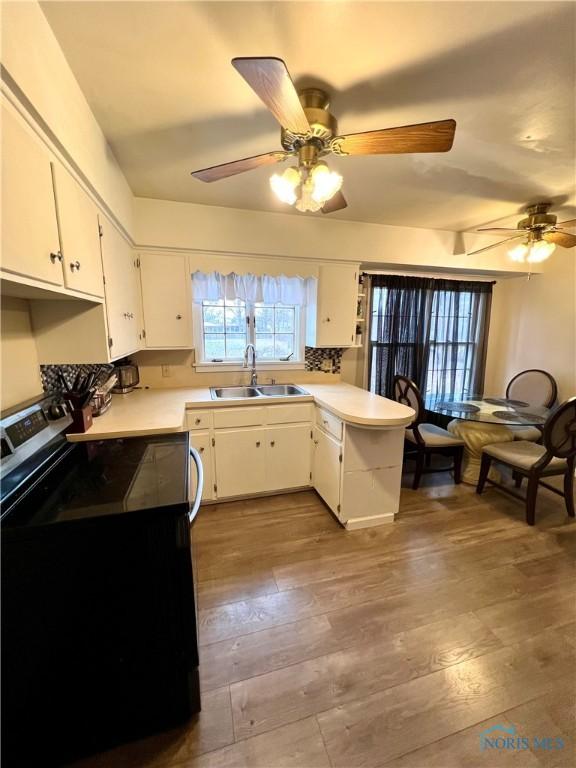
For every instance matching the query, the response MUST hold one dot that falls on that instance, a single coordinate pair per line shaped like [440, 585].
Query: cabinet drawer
[198, 419]
[288, 414]
[329, 423]
[238, 417]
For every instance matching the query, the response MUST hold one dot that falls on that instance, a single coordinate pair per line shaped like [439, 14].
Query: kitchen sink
[232, 393]
[281, 390]
[266, 390]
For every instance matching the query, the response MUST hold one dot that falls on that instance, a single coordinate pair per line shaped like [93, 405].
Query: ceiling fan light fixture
[519, 252]
[325, 183]
[540, 251]
[284, 185]
[306, 200]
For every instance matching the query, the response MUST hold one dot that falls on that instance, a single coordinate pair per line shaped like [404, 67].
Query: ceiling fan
[310, 132]
[540, 233]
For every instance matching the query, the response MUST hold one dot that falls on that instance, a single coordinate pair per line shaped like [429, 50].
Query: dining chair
[535, 387]
[424, 439]
[557, 456]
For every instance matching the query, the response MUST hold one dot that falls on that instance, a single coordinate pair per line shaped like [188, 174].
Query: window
[227, 326]
[433, 331]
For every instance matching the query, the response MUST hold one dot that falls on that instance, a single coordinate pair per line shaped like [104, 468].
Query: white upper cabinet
[30, 245]
[122, 291]
[331, 310]
[79, 238]
[166, 300]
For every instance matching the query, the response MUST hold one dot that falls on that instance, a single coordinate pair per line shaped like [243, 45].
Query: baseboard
[356, 523]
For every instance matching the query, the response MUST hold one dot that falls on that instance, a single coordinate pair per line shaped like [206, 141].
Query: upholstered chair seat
[423, 439]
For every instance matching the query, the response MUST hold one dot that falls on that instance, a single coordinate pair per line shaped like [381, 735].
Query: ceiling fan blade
[498, 229]
[336, 203]
[495, 245]
[216, 172]
[425, 137]
[570, 223]
[270, 80]
[565, 239]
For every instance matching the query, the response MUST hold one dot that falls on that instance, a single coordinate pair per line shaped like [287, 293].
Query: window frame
[237, 364]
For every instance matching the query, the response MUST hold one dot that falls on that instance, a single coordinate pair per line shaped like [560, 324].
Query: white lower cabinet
[287, 456]
[249, 450]
[326, 468]
[202, 441]
[240, 462]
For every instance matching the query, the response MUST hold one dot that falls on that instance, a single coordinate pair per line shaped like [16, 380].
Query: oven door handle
[199, 485]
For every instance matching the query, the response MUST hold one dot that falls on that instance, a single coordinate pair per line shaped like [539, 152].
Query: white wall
[20, 374]
[162, 223]
[534, 326]
[34, 60]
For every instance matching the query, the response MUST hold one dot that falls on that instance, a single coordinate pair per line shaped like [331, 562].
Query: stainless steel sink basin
[233, 393]
[265, 390]
[281, 390]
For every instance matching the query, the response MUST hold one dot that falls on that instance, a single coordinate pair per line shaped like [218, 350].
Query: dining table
[481, 421]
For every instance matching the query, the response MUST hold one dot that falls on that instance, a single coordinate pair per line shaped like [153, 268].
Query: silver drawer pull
[197, 421]
[272, 443]
[54, 257]
[178, 317]
[74, 265]
[202, 450]
[258, 444]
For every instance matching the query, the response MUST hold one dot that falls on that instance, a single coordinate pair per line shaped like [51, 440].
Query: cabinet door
[29, 229]
[240, 461]
[166, 300]
[326, 468]
[122, 292]
[202, 442]
[288, 456]
[337, 303]
[79, 236]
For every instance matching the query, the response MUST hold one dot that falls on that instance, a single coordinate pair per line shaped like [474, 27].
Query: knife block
[81, 419]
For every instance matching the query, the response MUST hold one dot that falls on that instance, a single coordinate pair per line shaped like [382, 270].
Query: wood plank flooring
[393, 646]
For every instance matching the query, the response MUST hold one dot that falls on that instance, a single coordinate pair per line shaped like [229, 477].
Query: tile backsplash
[315, 356]
[49, 373]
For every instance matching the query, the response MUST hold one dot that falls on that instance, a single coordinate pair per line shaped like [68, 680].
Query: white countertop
[160, 411]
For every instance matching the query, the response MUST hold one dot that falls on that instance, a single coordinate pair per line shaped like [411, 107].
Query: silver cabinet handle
[178, 317]
[272, 443]
[201, 450]
[327, 319]
[315, 442]
[324, 421]
[126, 315]
[54, 257]
[197, 421]
[74, 265]
[258, 444]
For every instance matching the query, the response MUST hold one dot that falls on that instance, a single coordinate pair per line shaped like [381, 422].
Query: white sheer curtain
[269, 289]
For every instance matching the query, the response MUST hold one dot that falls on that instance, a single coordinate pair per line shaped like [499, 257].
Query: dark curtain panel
[433, 331]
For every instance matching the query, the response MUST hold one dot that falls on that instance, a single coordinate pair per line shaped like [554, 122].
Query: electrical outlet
[166, 371]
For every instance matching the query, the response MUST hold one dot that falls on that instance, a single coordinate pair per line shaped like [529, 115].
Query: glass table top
[494, 410]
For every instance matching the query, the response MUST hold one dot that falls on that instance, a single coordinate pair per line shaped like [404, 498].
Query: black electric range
[99, 631]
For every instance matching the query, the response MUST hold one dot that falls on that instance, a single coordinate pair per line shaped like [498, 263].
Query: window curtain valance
[269, 289]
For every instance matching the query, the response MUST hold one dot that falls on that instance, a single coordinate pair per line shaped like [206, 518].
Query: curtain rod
[433, 275]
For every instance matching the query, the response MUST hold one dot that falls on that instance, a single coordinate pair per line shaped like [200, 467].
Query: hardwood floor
[393, 646]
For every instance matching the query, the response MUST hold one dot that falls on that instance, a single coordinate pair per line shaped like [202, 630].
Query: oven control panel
[26, 427]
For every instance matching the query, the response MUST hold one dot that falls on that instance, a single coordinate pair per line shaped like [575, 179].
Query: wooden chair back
[534, 386]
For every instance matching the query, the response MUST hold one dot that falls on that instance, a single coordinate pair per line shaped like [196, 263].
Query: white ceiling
[159, 79]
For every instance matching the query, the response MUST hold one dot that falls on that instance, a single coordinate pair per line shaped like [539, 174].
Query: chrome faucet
[253, 375]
